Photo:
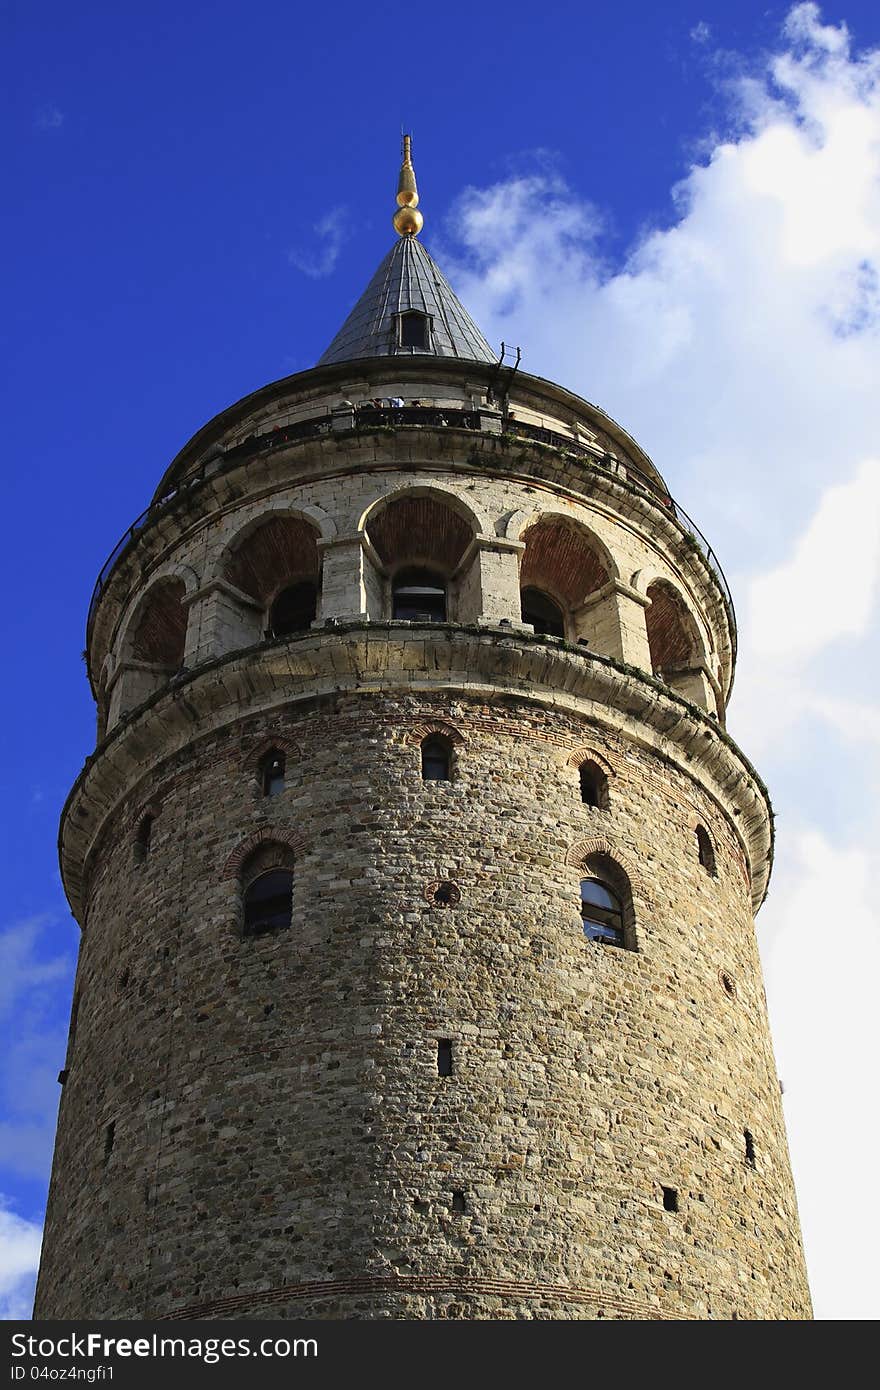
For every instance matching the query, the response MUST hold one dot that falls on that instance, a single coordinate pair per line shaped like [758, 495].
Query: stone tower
[416, 870]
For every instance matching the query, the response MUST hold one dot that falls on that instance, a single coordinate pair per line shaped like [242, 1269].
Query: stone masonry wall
[255, 1126]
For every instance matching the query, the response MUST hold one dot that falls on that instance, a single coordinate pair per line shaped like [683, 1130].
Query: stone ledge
[374, 658]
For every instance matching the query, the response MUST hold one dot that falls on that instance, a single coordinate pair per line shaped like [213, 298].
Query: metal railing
[372, 417]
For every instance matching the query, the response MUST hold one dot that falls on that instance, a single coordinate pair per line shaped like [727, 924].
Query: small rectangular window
[458, 1201]
[444, 1056]
[109, 1138]
[750, 1147]
[670, 1199]
[414, 330]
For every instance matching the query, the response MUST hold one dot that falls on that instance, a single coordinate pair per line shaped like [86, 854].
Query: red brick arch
[258, 751]
[597, 844]
[266, 835]
[149, 808]
[586, 753]
[419, 732]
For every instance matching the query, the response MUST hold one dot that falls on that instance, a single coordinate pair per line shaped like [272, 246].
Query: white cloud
[34, 996]
[821, 952]
[828, 588]
[741, 345]
[330, 232]
[19, 1259]
[21, 970]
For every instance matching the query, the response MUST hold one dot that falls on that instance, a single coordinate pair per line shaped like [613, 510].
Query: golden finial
[408, 221]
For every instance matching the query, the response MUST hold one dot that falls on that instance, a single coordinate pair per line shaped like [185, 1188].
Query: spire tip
[408, 221]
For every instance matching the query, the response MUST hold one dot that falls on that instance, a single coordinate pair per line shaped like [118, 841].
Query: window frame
[263, 925]
[706, 851]
[427, 321]
[612, 920]
[589, 768]
[425, 572]
[551, 602]
[272, 631]
[445, 751]
[270, 759]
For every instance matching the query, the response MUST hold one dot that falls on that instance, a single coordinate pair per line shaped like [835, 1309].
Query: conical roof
[408, 280]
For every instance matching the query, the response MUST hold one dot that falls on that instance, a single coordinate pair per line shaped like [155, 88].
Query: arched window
[268, 902]
[543, 612]
[436, 759]
[705, 850]
[673, 640]
[294, 609]
[272, 773]
[601, 913]
[159, 636]
[419, 595]
[594, 785]
[143, 835]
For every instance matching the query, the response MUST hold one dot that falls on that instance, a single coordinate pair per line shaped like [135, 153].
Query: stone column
[222, 618]
[129, 686]
[693, 683]
[612, 621]
[352, 582]
[488, 582]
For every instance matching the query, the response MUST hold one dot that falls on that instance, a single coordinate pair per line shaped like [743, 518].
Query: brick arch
[419, 732]
[276, 547]
[586, 753]
[520, 523]
[150, 808]
[679, 612]
[154, 629]
[268, 509]
[434, 491]
[598, 844]
[258, 751]
[266, 835]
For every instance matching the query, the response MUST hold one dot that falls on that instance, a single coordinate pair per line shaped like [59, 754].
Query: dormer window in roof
[414, 331]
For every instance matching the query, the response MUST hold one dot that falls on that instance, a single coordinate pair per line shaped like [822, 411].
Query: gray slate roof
[408, 279]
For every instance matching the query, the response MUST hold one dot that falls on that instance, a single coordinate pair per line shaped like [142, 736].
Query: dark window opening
[750, 1147]
[419, 595]
[71, 1030]
[444, 1056]
[142, 839]
[670, 1199]
[294, 609]
[458, 1201]
[601, 913]
[594, 786]
[705, 850]
[435, 760]
[544, 614]
[447, 894]
[109, 1138]
[268, 902]
[414, 330]
[272, 773]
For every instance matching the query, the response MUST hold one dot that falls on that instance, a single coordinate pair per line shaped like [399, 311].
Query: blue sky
[672, 208]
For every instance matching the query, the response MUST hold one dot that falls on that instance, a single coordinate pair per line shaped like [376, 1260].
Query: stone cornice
[383, 656]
